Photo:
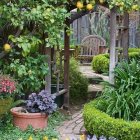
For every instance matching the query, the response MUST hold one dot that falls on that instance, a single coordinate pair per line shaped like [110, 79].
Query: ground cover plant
[7, 131]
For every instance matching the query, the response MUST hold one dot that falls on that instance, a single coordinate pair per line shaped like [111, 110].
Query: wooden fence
[82, 28]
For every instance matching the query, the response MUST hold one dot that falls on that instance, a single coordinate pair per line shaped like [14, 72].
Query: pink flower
[7, 85]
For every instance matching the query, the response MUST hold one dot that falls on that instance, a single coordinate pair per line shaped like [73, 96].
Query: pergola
[113, 28]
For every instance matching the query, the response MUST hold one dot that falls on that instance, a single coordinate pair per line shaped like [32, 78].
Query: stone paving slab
[89, 73]
[73, 127]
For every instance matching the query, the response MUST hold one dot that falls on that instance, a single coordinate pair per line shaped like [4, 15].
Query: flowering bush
[42, 102]
[7, 86]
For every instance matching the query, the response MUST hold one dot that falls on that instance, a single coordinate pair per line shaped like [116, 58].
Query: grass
[9, 132]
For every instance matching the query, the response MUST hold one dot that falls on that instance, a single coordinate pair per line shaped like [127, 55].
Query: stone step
[94, 90]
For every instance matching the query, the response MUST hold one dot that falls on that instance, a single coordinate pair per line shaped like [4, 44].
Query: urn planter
[23, 119]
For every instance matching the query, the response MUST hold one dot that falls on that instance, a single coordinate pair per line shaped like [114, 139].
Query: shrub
[78, 83]
[99, 123]
[29, 71]
[100, 63]
[134, 55]
[134, 50]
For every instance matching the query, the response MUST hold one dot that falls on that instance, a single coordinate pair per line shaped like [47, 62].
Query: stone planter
[23, 120]
[5, 105]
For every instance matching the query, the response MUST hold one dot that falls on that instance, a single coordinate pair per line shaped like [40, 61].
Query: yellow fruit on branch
[79, 5]
[89, 6]
[101, 1]
[7, 47]
[135, 7]
[122, 4]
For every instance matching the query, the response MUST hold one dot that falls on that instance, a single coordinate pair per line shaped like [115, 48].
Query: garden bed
[99, 123]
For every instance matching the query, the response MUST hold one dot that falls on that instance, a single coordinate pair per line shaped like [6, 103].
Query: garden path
[73, 128]
[89, 73]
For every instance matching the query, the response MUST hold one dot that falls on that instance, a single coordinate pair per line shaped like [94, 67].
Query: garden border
[99, 123]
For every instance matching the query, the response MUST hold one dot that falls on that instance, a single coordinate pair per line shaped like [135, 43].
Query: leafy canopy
[40, 21]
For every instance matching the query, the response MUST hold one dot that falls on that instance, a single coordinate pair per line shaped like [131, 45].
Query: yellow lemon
[30, 138]
[79, 5]
[122, 4]
[135, 7]
[7, 47]
[101, 1]
[45, 138]
[89, 6]
[82, 137]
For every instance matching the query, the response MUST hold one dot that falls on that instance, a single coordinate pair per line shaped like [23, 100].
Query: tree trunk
[112, 45]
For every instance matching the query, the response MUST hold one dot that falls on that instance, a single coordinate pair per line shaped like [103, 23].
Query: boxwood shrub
[100, 63]
[99, 123]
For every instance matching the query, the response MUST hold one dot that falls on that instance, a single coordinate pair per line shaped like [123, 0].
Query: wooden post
[112, 45]
[48, 77]
[125, 37]
[66, 65]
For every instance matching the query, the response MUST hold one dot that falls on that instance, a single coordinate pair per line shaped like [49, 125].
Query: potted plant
[7, 89]
[35, 112]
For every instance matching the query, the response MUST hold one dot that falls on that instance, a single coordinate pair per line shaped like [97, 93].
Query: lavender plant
[42, 102]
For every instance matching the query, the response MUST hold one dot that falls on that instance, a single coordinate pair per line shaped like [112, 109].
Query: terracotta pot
[23, 120]
[5, 105]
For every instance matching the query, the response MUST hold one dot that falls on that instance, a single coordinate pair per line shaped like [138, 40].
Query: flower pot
[5, 105]
[23, 120]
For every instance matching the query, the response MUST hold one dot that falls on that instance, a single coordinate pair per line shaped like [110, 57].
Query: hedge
[100, 63]
[99, 123]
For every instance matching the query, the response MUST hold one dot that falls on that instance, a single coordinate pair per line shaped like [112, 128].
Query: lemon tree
[121, 5]
[40, 22]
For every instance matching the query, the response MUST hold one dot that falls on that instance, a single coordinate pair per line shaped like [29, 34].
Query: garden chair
[90, 46]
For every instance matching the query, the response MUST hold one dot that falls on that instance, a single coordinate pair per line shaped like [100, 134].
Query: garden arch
[113, 29]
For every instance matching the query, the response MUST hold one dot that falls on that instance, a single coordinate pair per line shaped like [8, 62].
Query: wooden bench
[90, 46]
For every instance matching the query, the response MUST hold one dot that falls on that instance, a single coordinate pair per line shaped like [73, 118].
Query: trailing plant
[123, 98]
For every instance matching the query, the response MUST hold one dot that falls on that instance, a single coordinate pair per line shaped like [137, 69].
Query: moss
[99, 123]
